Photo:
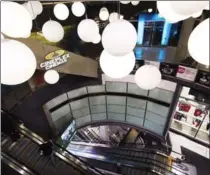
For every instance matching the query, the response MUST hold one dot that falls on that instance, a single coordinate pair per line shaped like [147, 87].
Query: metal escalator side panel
[17, 166]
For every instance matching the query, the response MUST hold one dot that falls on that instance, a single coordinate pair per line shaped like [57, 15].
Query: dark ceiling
[71, 41]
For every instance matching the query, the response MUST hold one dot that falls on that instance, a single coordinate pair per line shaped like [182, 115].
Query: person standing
[47, 151]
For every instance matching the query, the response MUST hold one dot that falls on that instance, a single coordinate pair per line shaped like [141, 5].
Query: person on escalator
[119, 168]
[47, 150]
[8, 127]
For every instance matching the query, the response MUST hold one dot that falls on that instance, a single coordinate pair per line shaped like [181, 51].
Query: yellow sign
[54, 59]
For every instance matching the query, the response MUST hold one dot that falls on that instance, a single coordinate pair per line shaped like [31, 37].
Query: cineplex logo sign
[54, 59]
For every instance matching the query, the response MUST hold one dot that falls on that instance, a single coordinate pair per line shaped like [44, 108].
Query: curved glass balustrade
[113, 102]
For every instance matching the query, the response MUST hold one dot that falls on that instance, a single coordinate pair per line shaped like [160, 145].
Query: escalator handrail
[146, 158]
[21, 165]
[22, 127]
[154, 151]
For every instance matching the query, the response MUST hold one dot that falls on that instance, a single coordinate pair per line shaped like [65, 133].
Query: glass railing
[113, 102]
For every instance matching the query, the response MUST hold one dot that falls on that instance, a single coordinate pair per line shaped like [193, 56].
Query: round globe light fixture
[117, 66]
[135, 3]
[28, 7]
[27, 36]
[61, 11]
[125, 2]
[113, 17]
[104, 14]
[2, 37]
[119, 37]
[198, 43]
[87, 30]
[188, 8]
[18, 62]
[51, 76]
[150, 10]
[196, 15]
[78, 9]
[148, 77]
[53, 31]
[37, 7]
[97, 39]
[165, 9]
[16, 21]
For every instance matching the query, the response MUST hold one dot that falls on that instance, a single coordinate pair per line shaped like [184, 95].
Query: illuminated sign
[54, 59]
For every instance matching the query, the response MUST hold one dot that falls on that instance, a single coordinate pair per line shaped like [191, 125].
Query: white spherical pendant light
[196, 15]
[148, 77]
[37, 7]
[104, 14]
[134, 3]
[27, 35]
[119, 37]
[165, 9]
[97, 39]
[51, 76]
[150, 10]
[114, 17]
[188, 8]
[61, 11]
[28, 7]
[87, 30]
[2, 37]
[125, 2]
[117, 66]
[198, 43]
[78, 9]
[53, 31]
[15, 20]
[18, 62]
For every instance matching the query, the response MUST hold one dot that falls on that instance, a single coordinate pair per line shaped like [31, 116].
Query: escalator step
[49, 167]
[39, 166]
[65, 169]
[26, 154]
[17, 149]
[6, 145]
[33, 159]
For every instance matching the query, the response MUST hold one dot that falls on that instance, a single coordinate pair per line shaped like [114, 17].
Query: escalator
[26, 152]
[129, 158]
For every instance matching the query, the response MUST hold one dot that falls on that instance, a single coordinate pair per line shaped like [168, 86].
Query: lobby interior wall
[31, 111]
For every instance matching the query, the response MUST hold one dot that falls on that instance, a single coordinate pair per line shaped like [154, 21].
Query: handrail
[16, 165]
[146, 158]
[41, 140]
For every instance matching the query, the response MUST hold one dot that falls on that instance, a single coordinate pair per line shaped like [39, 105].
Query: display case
[191, 117]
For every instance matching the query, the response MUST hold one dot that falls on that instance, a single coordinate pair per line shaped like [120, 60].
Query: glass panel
[116, 100]
[60, 112]
[98, 100]
[77, 92]
[82, 120]
[157, 109]
[133, 102]
[155, 118]
[134, 120]
[119, 117]
[134, 89]
[161, 95]
[96, 89]
[135, 112]
[116, 87]
[79, 104]
[98, 109]
[62, 122]
[116, 109]
[154, 127]
[96, 117]
[81, 112]
[56, 101]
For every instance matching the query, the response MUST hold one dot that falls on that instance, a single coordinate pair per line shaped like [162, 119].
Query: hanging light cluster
[175, 11]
